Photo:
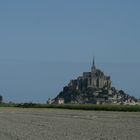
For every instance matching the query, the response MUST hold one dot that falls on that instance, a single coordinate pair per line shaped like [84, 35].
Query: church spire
[93, 63]
[93, 69]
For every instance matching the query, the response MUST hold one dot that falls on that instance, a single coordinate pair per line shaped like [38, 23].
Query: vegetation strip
[125, 108]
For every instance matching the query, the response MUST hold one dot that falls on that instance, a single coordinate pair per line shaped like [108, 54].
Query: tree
[1, 99]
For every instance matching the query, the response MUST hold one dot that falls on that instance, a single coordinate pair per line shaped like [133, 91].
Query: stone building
[94, 79]
[59, 101]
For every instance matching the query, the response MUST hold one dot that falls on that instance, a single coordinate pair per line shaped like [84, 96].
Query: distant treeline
[124, 108]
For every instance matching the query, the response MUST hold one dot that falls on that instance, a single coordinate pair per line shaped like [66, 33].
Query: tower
[93, 74]
[93, 68]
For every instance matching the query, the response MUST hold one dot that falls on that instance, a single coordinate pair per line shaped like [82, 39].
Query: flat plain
[60, 124]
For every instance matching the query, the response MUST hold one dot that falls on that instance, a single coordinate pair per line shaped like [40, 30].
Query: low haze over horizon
[44, 44]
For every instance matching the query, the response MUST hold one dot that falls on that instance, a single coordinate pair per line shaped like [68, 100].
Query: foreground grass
[124, 108]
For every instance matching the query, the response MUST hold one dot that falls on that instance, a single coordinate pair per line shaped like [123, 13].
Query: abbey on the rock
[92, 88]
[94, 79]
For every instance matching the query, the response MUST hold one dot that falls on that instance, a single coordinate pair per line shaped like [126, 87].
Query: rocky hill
[92, 88]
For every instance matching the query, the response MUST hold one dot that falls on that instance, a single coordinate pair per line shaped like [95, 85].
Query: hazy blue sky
[45, 43]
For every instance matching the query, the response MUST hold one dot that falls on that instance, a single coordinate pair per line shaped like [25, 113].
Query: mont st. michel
[92, 87]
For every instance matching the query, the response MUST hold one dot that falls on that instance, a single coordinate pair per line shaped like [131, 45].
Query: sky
[45, 43]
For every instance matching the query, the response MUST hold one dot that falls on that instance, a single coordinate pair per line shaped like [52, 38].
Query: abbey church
[93, 79]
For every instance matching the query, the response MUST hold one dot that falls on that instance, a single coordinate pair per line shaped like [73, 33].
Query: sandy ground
[55, 124]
